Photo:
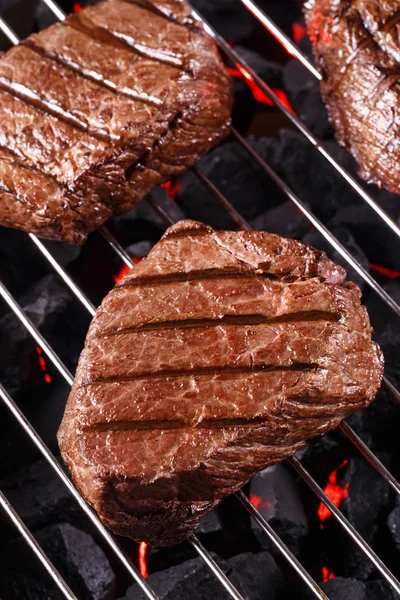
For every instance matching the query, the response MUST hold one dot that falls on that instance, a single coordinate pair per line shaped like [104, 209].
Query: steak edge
[357, 51]
[219, 354]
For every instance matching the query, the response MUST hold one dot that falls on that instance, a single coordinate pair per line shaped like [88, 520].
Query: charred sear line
[150, 424]
[84, 25]
[240, 320]
[205, 371]
[200, 275]
[17, 90]
[90, 74]
[185, 233]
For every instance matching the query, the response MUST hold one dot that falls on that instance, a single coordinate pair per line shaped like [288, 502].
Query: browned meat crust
[99, 109]
[218, 355]
[357, 49]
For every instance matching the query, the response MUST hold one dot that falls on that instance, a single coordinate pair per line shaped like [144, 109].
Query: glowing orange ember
[125, 269]
[172, 188]
[258, 93]
[77, 6]
[142, 559]
[334, 492]
[43, 365]
[384, 271]
[327, 574]
[298, 32]
[259, 502]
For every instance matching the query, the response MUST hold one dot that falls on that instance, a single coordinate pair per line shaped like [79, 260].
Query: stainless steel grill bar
[257, 516]
[8, 32]
[233, 213]
[390, 388]
[37, 336]
[250, 73]
[54, 358]
[345, 524]
[370, 456]
[58, 12]
[64, 275]
[160, 211]
[50, 458]
[116, 246]
[36, 548]
[334, 242]
[198, 546]
[282, 38]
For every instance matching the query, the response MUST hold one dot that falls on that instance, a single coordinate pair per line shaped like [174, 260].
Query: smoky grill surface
[356, 47]
[99, 109]
[218, 355]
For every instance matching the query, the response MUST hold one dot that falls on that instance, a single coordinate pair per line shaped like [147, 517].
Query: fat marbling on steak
[97, 110]
[219, 354]
[357, 50]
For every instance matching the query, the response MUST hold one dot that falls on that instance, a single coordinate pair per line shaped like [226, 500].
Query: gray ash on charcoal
[72, 551]
[240, 547]
[275, 493]
[42, 302]
[256, 577]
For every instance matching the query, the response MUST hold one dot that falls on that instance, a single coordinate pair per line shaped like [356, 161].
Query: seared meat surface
[357, 50]
[97, 110]
[219, 354]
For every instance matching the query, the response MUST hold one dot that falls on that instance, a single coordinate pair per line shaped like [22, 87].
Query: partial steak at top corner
[357, 50]
[218, 355]
[97, 110]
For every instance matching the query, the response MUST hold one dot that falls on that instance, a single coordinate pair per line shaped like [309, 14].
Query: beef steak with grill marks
[357, 49]
[219, 354]
[97, 110]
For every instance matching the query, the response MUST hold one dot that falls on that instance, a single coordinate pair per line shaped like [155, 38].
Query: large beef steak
[357, 50]
[219, 354]
[97, 110]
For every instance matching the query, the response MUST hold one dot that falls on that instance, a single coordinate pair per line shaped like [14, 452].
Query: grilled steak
[357, 49]
[218, 355]
[99, 109]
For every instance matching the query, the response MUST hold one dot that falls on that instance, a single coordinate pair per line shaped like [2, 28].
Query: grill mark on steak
[207, 371]
[158, 421]
[148, 54]
[176, 424]
[83, 24]
[236, 320]
[91, 75]
[228, 273]
[26, 95]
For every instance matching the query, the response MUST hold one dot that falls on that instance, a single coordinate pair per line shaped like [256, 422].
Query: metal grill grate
[240, 221]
